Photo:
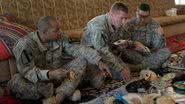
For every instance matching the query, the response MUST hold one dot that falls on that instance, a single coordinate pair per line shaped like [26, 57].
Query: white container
[171, 12]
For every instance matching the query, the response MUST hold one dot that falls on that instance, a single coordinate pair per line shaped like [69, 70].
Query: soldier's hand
[57, 74]
[125, 74]
[105, 69]
[71, 75]
[140, 47]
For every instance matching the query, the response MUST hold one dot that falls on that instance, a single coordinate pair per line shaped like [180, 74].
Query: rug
[176, 42]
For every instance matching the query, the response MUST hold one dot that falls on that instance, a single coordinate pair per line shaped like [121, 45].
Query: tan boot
[50, 100]
[76, 96]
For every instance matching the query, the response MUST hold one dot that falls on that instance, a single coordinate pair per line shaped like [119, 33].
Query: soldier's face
[143, 17]
[119, 18]
[54, 32]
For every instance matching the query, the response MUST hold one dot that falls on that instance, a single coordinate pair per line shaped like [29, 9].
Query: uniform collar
[42, 47]
[52, 45]
[110, 26]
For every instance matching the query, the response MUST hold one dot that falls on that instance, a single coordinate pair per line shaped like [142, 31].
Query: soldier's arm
[98, 39]
[101, 46]
[158, 39]
[26, 65]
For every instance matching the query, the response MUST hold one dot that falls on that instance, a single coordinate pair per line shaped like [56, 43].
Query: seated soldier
[145, 33]
[49, 67]
[98, 34]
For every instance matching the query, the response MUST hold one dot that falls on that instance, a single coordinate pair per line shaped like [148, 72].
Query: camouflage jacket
[150, 35]
[34, 59]
[100, 35]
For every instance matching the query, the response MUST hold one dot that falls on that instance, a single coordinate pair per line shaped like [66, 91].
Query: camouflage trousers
[22, 88]
[138, 61]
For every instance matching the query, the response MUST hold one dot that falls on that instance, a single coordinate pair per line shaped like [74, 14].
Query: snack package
[148, 75]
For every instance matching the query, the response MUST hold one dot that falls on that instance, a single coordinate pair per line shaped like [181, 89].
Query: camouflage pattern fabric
[98, 34]
[34, 60]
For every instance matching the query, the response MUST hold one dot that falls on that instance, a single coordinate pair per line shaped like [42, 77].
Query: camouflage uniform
[151, 36]
[98, 34]
[34, 59]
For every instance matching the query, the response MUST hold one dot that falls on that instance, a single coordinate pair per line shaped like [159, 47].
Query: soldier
[145, 32]
[49, 67]
[98, 34]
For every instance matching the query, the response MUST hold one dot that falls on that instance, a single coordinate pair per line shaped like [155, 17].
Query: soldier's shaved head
[119, 6]
[44, 23]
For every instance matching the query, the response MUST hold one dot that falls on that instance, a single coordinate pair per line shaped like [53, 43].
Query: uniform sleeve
[26, 65]
[98, 40]
[99, 43]
[76, 50]
[110, 59]
[158, 39]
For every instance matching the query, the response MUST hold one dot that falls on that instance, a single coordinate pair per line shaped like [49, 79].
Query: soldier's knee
[78, 66]
[20, 88]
